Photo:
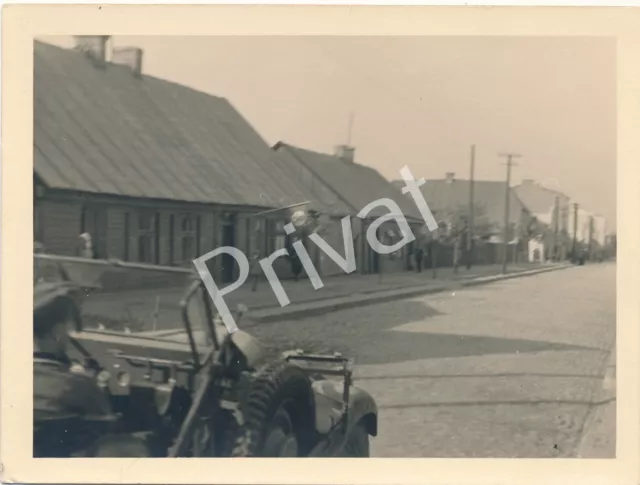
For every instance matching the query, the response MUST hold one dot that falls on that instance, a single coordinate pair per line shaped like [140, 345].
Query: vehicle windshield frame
[196, 290]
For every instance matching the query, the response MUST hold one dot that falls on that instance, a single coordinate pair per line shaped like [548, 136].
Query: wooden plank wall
[60, 215]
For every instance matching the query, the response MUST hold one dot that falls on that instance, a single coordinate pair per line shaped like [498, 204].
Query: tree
[482, 226]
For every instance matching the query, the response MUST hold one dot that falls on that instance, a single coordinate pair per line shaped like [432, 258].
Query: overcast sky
[420, 101]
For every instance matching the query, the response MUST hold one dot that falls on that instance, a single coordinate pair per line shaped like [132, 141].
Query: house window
[37, 223]
[198, 228]
[190, 237]
[257, 236]
[126, 236]
[172, 239]
[248, 245]
[93, 221]
[147, 237]
[276, 236]
[83, 219]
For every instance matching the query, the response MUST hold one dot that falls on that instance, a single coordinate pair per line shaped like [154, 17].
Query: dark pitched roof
[355, 184]
[489, 197]
[538, 199]
[106, 131]
[311, 184]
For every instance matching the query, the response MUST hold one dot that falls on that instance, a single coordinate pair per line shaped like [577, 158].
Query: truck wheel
[357, 444]
[278, 414]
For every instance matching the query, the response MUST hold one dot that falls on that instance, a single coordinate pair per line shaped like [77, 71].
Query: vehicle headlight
[124, 379]
[77, 368]
[103, 377]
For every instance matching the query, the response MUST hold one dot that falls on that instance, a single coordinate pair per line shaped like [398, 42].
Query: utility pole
[471, 214]
[575, 231]
[507, 193]
[452, 223]
[556, 227]
[590, 236]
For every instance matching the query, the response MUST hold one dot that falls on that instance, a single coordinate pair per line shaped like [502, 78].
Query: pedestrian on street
[296, 266]
[294, 260]
[419, 255]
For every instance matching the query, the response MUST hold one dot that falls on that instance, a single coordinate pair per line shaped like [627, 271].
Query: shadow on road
[406, 346]
[363, 340]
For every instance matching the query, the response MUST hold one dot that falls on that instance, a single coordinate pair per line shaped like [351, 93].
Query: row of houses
[544, 224]
[568, 226]
[160, 173]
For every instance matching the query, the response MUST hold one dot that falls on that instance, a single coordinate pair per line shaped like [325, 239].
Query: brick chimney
[94, 47]
[130, 57]
[450, 177]
[345, 153]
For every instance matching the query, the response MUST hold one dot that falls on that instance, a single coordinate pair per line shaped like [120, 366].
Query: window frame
[189, 233]
[147, 236]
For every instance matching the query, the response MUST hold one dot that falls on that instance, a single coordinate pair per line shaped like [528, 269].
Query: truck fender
[250, 350]
[328, 407]
[362, 407]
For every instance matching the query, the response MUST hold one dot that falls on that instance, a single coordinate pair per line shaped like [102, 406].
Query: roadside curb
[314, 308]
[366, 291]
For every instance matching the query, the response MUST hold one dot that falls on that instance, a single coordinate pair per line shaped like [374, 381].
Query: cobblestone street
[137, 307]
[510, 369]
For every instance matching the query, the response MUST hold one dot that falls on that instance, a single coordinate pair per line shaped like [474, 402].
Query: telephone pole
[507, 193]
[575, 231]
[471, 214]
[556, 227]
[590, 236]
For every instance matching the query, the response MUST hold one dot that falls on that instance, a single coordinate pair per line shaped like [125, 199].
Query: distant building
[357, 186]
[600, 229]
[449, 199]
[155, 172]
[580, 223]
[552, 208]
[330, 223]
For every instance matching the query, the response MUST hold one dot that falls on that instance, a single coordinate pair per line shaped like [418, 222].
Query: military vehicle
[203, 392]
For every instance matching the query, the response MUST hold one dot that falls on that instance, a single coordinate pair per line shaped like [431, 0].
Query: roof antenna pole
[350, 128]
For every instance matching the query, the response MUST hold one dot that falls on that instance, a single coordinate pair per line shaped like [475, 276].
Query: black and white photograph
[324, 246]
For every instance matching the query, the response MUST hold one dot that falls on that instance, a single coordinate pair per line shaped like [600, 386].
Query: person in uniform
[72, 413]
[67, 401]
